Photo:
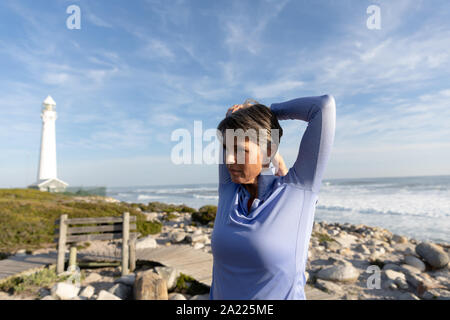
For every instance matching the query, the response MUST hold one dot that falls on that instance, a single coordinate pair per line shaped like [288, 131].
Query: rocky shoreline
[348, 261]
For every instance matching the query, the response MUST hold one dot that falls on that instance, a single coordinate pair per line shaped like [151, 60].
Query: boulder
[415, 262]
[150, 286]
[399, 239]
[433, 254]
[328, 286]
[169, 274]
[105, 295]
[87, 292]
[128, 279]
[121, 290]
[176, 296]
[199, 245]
[339, 273]
[346, 240]
[146, 243]
[177, 237]
[397, 277]
[362, 249]
[92, 277]
[408, 296]
[65, 291]
[200, 297]
[196, 238]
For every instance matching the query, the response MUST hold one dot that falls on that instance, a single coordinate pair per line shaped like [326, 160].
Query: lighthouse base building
[47, 177]
[50, 185]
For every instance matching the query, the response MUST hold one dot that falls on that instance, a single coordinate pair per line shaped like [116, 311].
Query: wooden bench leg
[73, 256]
[132, 254]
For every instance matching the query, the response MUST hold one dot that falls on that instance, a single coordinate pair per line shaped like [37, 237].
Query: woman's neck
[252, 188]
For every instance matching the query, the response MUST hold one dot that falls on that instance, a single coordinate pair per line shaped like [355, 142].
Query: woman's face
[244, 162]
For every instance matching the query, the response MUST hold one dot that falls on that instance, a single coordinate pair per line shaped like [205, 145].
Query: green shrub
[44, 278]
[188, 285]
[322, 237]
[169, 216]
[205, 214]
[156, 206]
[149, 227]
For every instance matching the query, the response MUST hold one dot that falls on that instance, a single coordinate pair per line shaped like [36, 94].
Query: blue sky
[138, 70]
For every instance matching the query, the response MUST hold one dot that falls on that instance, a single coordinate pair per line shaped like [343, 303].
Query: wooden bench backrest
[106, 228]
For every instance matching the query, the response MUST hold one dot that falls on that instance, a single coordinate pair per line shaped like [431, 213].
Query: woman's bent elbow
[328, 102]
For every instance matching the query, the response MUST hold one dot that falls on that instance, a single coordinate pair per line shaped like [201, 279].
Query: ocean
[417, 207]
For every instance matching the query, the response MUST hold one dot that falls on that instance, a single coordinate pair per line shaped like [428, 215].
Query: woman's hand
[280, 165]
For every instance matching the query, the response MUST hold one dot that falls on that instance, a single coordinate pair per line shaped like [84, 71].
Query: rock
[398, 277]
[128, 279]
[146, 243]
[21, 253]
[406, 268]
[346, 240]
[151, 216]
[332, 246]
[377, 253]
[408, 296]
[433, 254]
[177, 237]
[345, 252]
[121, 290]
[399, 239]
[199, 245]
[48, 298]
[391, 266]
[196, 238]
[150, 286]
[64, 291]
[362, 248]
[176, 296]
[415, 262]
[436, 293]
[339, 273]
[333, 232]
[105, 295]
[43, 292]
[197, 232]
[87, 292]
[200, 297]
[394, 275]
[328, 286]
[405, 248]
[169, 274]
[92, 277]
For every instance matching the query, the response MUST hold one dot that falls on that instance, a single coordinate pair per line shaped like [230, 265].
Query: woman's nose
[230, 158]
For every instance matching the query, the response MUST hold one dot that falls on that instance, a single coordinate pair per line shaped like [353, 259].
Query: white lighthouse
[47, 174]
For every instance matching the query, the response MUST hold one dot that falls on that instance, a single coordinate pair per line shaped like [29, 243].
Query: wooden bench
[105, 228]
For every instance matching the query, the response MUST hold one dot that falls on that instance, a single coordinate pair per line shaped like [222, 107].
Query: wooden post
[125, 239]
[73, 256]
[132, 254]
[61, 243]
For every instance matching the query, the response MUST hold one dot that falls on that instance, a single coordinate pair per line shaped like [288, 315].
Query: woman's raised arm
[317, 141]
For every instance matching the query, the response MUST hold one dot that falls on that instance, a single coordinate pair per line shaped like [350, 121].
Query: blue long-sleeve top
[262, 253]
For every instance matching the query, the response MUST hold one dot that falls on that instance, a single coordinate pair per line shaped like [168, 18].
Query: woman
[263, 222]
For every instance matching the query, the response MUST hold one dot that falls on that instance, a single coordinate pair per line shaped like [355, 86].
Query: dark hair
[256, 117]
